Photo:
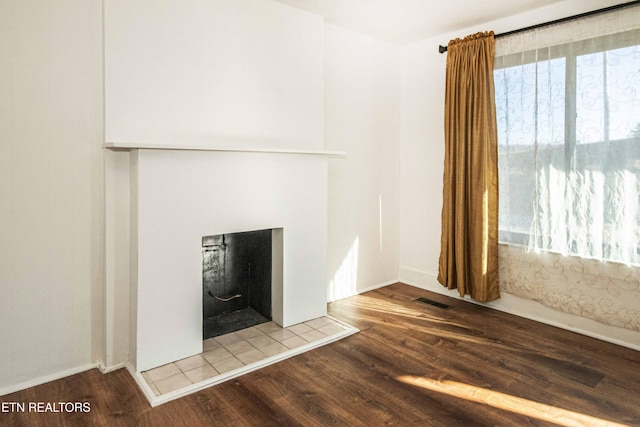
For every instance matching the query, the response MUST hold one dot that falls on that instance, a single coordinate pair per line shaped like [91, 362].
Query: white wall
[362, 117]
[228, 72]
[117, 200]
[50, 188]
[422, 158]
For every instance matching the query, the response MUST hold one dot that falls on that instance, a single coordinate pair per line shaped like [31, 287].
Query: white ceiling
[406, 21]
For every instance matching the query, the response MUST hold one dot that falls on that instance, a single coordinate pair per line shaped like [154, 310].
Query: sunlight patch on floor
[508, 402]
[381, 306]
[433, 325]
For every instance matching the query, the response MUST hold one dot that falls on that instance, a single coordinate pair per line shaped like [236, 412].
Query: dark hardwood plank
[412, 364]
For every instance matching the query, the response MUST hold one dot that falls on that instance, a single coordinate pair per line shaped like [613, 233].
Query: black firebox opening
[236, 279]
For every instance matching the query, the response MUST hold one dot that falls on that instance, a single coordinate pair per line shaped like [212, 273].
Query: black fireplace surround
[236, 281]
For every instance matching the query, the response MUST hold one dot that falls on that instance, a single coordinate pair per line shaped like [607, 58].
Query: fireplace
[236, 281]
[174, 204]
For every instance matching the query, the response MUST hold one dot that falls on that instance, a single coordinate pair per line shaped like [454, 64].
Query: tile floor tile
[228, 338]
[201, 373]
[313, 335]
[251, 356]
[299, 329]
[190, 362]
[216, 355]
[319, 322]
[210, 344]
[261, 341]
[249, 333]
[227, 365]
[162, 372]
[239, 347]
[273, 349]
[172, 383]
[146, 377]
[268, 327]
[281, 335]
[155, 389]
[294, 342]
[331, 329]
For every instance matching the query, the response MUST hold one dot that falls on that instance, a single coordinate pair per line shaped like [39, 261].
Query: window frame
[570, 51]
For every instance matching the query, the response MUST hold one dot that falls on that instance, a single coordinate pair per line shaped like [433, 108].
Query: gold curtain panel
[469, 243]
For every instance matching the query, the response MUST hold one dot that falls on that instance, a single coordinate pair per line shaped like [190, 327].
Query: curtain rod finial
[442, 49]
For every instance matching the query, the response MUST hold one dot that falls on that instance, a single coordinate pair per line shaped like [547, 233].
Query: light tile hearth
[228, 354]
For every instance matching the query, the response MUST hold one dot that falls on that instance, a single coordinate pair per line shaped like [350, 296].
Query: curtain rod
[443, 49]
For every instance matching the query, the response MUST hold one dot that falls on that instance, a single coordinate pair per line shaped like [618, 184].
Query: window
[569, 147]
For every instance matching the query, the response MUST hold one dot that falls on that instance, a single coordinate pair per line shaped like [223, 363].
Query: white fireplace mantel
[176, 195]
[147, 146]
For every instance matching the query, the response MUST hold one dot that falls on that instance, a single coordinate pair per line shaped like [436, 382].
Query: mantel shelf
[120, 146]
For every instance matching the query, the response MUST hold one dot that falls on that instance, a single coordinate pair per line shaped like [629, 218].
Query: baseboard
[378, 286]
[45, 379]
[106, 369]
[142, 384]
[531, 310]
[59, 375]
[367, 289]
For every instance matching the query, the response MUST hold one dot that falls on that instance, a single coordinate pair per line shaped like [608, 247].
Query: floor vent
[432, 302]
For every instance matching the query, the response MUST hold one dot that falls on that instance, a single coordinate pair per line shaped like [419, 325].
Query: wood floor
[412, 364]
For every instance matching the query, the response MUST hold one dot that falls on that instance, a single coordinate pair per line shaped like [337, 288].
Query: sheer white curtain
[568, 111]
